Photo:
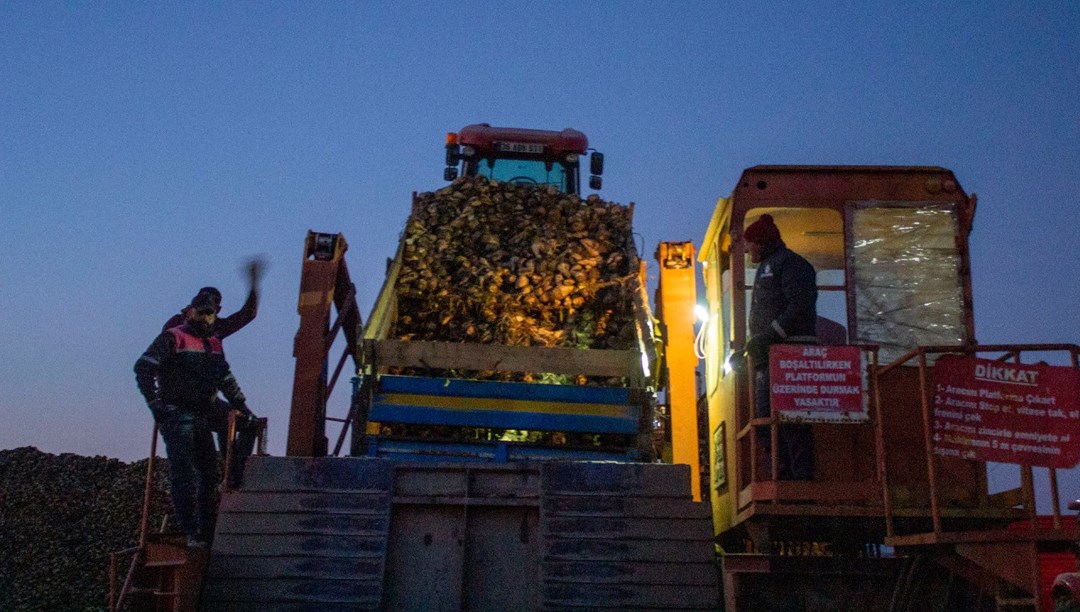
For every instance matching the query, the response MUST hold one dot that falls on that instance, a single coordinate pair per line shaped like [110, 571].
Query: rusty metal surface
[754, 583]
[359, 533]
[303, 533]
[164, 550]
[324, 281]
[625, 537]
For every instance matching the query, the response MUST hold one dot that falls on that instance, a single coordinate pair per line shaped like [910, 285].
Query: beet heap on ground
[60, 517]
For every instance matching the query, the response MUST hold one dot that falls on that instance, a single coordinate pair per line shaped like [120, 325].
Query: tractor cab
[525, 156]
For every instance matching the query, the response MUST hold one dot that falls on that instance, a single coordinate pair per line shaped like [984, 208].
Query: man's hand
[160, 410]
[246, 418]
[737, 362]
[757, 350]
[255, 268]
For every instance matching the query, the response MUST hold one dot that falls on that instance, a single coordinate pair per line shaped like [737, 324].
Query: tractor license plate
[520, 147]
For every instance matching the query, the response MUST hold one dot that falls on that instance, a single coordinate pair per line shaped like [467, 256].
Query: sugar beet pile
[60, 517]
[500, 263]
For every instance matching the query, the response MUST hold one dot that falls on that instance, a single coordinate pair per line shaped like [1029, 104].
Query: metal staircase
[302, 534]
[625, 537]
[357, 533]
[167, 577]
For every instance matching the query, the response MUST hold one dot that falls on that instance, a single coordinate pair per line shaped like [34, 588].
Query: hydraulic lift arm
[324, 280]
[678, 296]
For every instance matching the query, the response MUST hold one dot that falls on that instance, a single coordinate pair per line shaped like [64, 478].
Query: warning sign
[1006, 412]
[817, 383]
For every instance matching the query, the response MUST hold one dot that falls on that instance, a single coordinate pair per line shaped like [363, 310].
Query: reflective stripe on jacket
[186, 370]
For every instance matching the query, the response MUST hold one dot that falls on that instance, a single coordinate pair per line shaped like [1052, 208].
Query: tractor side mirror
[596, 163]
[595, 183]
[450, 173]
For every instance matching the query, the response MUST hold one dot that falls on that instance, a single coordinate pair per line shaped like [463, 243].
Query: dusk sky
[147, 149]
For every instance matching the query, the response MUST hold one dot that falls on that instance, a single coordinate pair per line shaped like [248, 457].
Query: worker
[227, 326]
[223, 327]
[180, 375]
[783, 310]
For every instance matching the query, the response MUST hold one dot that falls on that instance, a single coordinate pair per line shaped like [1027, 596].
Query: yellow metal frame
[678, 297]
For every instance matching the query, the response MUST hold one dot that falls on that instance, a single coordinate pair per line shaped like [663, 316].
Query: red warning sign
[1028, 414]
[817, 383]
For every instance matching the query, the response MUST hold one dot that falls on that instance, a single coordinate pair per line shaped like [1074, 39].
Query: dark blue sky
[147, 148]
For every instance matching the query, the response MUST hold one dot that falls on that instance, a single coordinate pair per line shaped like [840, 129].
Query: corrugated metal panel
[303, 534]
[599, 572]
[317, 475]
[309, 534]
[633, 480]
[625, 537]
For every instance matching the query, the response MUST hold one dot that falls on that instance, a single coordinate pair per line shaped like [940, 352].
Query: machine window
[815, 233]
[818, 235]
[525, 171]
[906, 275]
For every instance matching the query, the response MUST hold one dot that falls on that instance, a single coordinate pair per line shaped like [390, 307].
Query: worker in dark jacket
[783, 310]
[247, 428]
[227, 326]
[180, 375]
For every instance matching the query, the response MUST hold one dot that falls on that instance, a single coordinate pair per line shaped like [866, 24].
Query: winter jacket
[186, 370]
[784, 303]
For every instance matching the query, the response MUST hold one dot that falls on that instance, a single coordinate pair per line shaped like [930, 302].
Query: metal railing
[260, 448]
[1009, 352]
[138, 552]
[748, 423]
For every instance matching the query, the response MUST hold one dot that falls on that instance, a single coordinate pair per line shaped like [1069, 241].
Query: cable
[701, 341]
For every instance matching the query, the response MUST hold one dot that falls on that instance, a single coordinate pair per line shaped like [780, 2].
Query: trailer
[467, 494]
[465, 475]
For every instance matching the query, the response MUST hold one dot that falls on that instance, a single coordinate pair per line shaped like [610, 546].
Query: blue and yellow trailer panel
[510, 405]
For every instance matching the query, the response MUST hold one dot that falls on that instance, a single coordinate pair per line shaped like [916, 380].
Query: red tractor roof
[483, 136]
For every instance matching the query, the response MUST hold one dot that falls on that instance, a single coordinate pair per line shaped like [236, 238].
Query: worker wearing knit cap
[221, 328]
[783, 311]
[763, 231]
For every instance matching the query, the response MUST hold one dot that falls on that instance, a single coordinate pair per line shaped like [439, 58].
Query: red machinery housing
[519, 155]
[890, 246]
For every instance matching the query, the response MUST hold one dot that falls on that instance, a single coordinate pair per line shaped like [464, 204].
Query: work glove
[255, 268]
[160, 410]
[737, 362]
[246, 419]
[757, 349]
